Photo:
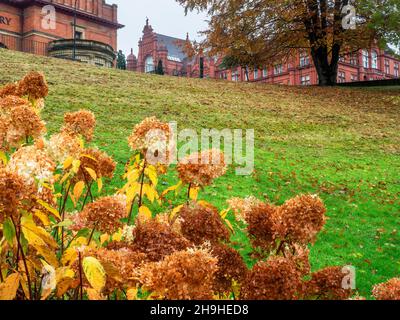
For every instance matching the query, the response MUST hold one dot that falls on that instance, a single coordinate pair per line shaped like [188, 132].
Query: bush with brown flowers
[64, 236]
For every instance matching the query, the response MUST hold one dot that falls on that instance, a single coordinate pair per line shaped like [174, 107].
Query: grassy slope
[343, 144]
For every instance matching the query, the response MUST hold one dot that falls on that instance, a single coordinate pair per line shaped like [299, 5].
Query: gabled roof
[172, 44]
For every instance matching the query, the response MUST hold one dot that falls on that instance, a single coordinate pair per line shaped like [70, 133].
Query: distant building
[24, 27]
[155, 47]
[371, 64]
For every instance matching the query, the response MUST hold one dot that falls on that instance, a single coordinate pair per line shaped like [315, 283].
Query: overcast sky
[166, 17]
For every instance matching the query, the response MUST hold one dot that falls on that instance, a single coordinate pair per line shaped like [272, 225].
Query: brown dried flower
[10, 102]
[276, 279]
[157, 239]
[242, 207]
[183, 275]
[200, 224]
[262, 226]
[230, 267]
[10, 89]
[389, 290]
[14, 195]
[200, 169]
[61, 146]
[326, 284]
[81, 122]
[153, 139]
[102, 164]
[33, 85]
[302, 218]
[103, 215]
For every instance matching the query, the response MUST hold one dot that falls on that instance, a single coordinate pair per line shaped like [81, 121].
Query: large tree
[258, 32]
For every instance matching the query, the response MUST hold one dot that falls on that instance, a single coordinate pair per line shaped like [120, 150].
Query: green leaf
[9, 231]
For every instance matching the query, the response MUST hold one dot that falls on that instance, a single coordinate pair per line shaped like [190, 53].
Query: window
[235, 76]
[396, 70]
[78, 35]
[341, 77]
[354, 77]
[374, 60]
[255, 74]
[365, 58]
[387, 66]
[354, 59]
[304, 59]
[149, 64]
[278, 69]
[265, 72]
[305, 80]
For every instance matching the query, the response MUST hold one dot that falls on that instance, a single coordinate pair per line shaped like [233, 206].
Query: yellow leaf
[104, 237]
[166, 191]
[8, 289]
[93, 294]
[133, 175]
[78, 189]
[42, 217]
[49, 208]
[48, 254]
[28, 227]
[193, 193]
[70, 255]
[150, 192]
[224, 213]
[92, 173]
[75, 166]
[131, 294]
[64, 285]
[3, 158]
[175, 211]
[228, 223]
[65, 177]
[68, 162]
[117, 236]
[151, 172]
[144, 213]
[89, 157]
[94, 273]
[100, 184]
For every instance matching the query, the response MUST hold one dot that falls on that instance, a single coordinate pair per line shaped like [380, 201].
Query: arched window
[365, 58]
[374, 60]
[149, 64]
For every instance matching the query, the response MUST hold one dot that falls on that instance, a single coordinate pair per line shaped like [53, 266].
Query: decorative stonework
[87, 51]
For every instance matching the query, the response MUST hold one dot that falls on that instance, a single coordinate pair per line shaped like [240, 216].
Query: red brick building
[25, 26]
[155, 47]
[371, 64]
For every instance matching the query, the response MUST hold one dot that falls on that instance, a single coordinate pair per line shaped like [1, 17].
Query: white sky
[166, 17]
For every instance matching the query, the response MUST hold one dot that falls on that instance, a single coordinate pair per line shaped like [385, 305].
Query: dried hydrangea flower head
[101, 163]
[27, 123]
[8, 103]
[10, 89]
[183, 275]
[153, 139]
[231, 267]
[302, 218]
[327, 284]
[200, 169]
[241, 207]
[103, 215]
[262, 226]
[61, 146]
[200, 224]
[14, 194]
[33, 85]
[121, 266]
[389, 290]
[275, 279]
[32, 164]
[81, 122]
[157, 239]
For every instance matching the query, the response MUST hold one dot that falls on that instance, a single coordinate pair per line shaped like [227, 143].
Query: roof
[172, 44]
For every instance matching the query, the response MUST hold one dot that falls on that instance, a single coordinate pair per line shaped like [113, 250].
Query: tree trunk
[327, 72]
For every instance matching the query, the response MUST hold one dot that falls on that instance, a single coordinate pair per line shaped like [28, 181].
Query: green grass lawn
[340, 143]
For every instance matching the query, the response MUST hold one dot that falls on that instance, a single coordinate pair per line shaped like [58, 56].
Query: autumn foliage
[63, 237]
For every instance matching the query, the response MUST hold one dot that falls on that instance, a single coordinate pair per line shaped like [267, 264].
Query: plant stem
[131, 210]
[141, 184]
[18, 233]
[63, 217]
[80, 276]
[188, 193]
